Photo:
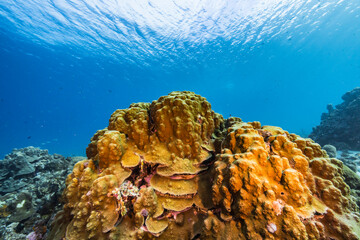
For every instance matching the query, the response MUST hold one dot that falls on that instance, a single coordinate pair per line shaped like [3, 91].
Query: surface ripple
[148, 30]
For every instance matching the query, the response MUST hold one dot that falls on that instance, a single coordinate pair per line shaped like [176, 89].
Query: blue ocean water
[66, 65]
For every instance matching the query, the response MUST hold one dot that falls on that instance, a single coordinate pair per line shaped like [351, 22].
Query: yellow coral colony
[174, 169]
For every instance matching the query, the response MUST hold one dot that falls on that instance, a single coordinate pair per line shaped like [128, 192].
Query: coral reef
[353, 180]
[330, 150]
[351, 168]
[31, 183]
[350, 159]
[174, 169]
[340, 125]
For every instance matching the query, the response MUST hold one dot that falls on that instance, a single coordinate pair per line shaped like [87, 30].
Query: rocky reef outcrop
[340, 126]
[175, 169]
[31, 183]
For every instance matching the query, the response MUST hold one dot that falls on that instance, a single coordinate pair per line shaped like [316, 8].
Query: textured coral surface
[174, 169]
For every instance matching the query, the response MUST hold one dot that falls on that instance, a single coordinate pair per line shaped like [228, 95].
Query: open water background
[66, 65]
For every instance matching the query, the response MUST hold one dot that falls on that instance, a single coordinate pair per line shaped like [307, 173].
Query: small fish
[29, 137]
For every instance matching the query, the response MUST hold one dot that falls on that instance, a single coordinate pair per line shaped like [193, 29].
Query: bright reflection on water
[142, 30]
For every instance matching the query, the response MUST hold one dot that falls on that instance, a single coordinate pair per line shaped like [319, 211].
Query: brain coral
[174, 169]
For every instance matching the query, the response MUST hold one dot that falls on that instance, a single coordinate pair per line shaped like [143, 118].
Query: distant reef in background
[31, 184]
[340, 126]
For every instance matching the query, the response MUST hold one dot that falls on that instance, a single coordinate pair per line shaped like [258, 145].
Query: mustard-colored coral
[174, 169]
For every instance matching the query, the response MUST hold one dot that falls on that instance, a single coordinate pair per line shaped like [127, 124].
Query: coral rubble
[340, 125]
[174, 169]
